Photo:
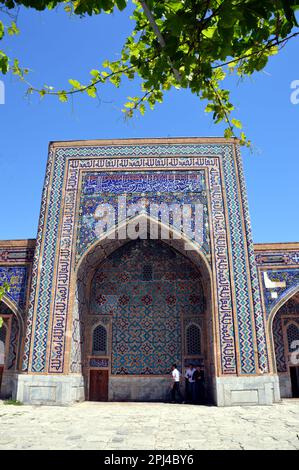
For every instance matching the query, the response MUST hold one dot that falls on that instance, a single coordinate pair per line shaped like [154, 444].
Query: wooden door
[294, 372]
[98, 385]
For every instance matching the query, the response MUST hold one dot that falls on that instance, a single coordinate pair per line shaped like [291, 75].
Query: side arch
[283, 300]
[19, 314]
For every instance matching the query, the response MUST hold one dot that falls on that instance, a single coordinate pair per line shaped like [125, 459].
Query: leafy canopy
[191, 44]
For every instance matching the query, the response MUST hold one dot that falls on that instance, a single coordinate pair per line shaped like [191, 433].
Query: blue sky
[57, 48]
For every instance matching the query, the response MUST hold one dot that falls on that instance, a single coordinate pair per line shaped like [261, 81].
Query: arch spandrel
[109, 242]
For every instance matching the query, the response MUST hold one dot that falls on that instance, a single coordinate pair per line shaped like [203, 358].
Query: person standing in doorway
[187, 387]
[176, 384]
[190, 383]
[202, 389]
[198, 377]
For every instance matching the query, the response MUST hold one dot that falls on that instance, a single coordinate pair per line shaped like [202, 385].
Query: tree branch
[270, 44]
[227, 119]
[83, 88]
[160, 38]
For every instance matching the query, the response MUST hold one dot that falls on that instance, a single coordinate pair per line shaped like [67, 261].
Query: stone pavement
[153, 426]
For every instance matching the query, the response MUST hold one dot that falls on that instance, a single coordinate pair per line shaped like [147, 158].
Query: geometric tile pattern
[193, 340]
[292, 335]
[41, 326]
[254, 287]
[99, 341]
[13, 343]
[239, 251]
[146, 314]
[17, 278]
[37, 327]
[291, 307]
[279, 344]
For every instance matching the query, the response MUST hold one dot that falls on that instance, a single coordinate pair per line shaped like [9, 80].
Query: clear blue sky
[57, 48]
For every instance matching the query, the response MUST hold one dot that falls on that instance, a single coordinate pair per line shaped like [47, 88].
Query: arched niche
[285, 359]
[14, 328]
[96, 255]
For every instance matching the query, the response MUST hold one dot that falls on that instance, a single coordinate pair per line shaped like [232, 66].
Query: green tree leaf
[75, 84]
[237, 123]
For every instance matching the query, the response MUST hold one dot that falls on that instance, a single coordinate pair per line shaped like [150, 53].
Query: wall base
[50, 389]
[122, 388]
[69, 389]
[258, 390]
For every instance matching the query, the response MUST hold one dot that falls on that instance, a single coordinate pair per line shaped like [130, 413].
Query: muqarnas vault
[95, 316]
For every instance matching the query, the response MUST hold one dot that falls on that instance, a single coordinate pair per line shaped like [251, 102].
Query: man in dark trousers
[176, 384]
[202, 388]
[190, 392]
[198, 376]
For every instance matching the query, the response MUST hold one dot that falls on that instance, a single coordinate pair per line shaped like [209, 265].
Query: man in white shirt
[176, 384]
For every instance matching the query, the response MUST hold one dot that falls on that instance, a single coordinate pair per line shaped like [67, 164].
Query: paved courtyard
[116, 426]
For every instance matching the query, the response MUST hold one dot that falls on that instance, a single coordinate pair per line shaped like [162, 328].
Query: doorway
[98, 385]
[294, 374]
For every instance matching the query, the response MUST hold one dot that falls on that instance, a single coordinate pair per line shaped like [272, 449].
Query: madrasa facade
[144, 258]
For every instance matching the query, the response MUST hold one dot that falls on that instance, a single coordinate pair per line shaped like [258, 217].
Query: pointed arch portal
[146, 294]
